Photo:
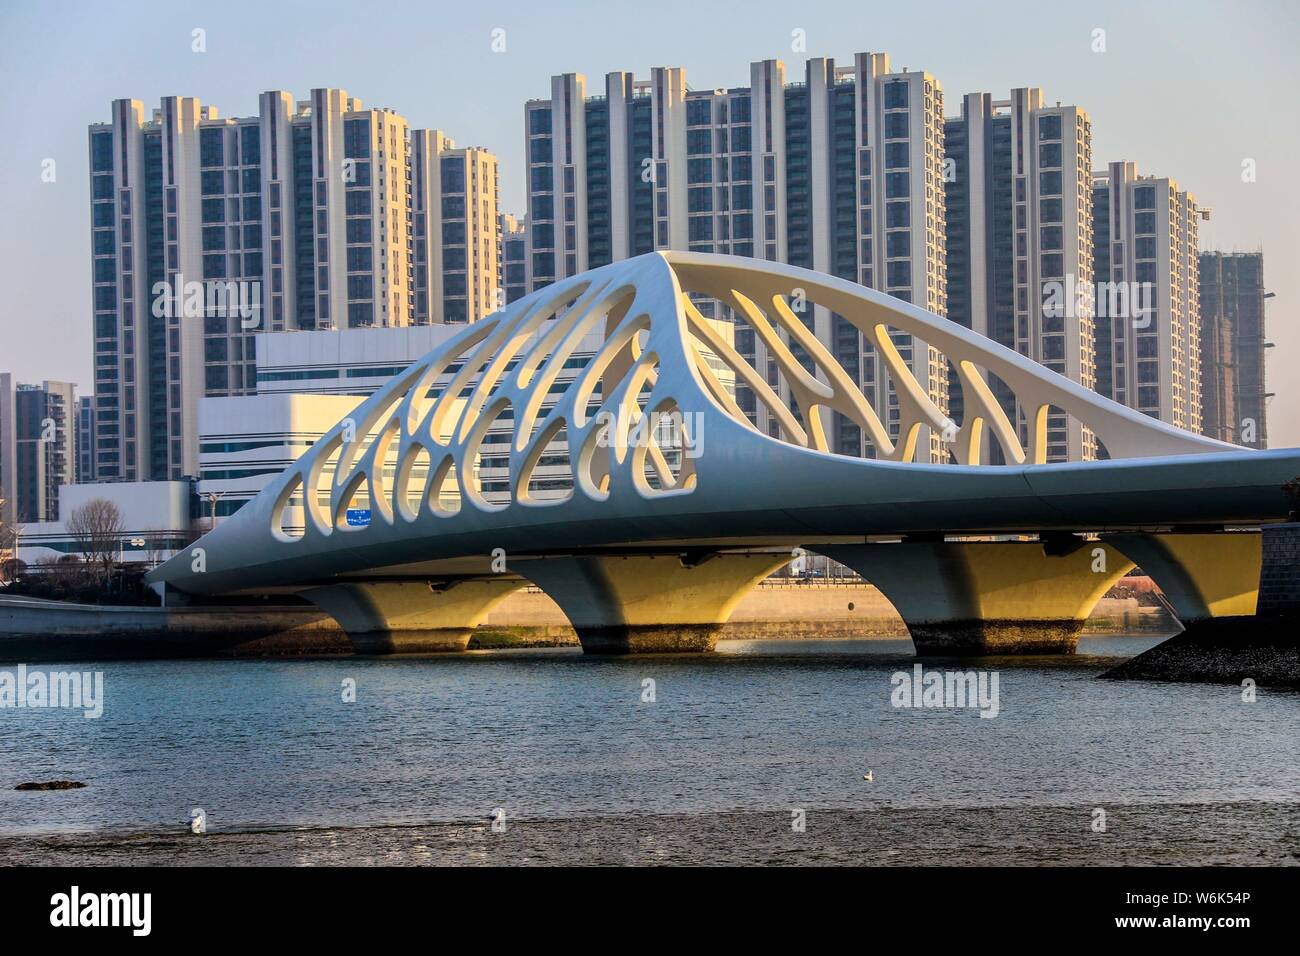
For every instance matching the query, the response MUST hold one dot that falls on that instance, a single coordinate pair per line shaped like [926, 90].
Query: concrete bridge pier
[642, 604]
[1229, 590]
[989, 597]
[411, 617]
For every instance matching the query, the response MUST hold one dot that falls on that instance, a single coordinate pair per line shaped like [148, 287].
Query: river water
[701, 759]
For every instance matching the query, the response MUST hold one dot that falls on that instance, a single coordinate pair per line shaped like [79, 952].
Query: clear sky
[1185, 89]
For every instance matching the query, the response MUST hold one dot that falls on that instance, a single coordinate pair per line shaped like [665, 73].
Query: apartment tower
[1148, 354]
[206, 231]
[840, 172]
[1020, 244]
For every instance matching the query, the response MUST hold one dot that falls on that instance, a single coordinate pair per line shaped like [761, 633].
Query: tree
[97, 528]
[8, 560]
[155, 543]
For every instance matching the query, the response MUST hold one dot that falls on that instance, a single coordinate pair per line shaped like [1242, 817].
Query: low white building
[307, 382]
[155, 522]
[343, 362]
[245, 442]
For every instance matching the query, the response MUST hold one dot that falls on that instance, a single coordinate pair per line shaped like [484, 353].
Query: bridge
[691, 471]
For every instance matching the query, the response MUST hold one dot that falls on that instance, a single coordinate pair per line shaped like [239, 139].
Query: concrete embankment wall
[32, 630]
[50, 631]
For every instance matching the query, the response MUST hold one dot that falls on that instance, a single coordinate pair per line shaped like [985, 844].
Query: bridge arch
[676, 441]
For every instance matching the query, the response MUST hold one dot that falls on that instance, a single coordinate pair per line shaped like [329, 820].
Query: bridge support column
[1213, 582]
[411, 617]
[643, 604]
[986, 597]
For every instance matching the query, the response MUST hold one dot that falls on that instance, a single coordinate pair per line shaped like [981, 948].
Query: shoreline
[1231, 833]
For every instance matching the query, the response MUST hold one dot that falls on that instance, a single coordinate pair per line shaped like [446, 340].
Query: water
[431, 746]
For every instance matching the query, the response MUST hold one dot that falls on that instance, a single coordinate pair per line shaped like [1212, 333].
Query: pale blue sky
[1185, 89]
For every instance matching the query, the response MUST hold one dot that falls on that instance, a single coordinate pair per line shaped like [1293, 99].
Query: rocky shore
[1226, 651]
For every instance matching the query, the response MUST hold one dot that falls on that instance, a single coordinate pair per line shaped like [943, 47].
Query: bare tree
[97, 528]
[155, 543]
[8, 539]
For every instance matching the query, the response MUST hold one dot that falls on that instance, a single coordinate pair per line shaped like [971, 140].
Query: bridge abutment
[410, 617]
[643, 604]
[1210, 576]
[1236, 597]
[988, 597]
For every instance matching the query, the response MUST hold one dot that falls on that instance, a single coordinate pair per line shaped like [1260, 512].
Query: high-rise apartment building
[1148, 352]
[1233, 392]
[86, 440]
[206, 231]
[1020, 243]
[841, 173]
[8, 451]
[457, 246]
[514, 256]
[37, 447]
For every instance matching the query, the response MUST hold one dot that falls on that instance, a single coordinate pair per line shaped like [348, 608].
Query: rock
[1265, 649]
[51, 785]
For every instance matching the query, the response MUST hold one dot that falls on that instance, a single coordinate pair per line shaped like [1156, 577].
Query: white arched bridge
[652, 479]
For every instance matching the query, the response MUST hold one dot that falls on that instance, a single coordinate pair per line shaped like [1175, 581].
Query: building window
[898, 244]
[539, 121]
[896, 95]
[212, 147]
[899, 273]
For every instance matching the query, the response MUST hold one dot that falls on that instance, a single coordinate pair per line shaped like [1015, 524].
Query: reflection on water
[551, 735]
